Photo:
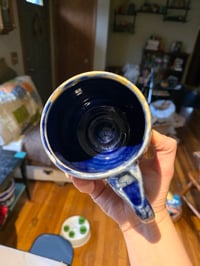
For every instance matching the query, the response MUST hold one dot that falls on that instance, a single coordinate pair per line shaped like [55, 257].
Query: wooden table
[15, 257]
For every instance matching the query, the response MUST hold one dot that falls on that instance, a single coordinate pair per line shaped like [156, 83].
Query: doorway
[34, 25]
[74, 37]
[193, 76]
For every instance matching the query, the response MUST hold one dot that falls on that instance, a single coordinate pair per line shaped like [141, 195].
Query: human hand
[157, 171]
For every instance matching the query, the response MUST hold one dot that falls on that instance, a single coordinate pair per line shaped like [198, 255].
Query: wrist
[137, 225]
[147, 243]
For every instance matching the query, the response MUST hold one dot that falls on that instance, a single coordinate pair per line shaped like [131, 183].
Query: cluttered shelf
[15, 192]
[19, 189]
[10, 190]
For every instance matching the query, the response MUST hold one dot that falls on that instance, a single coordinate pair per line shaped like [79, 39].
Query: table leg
[24, 178]
[187, 187]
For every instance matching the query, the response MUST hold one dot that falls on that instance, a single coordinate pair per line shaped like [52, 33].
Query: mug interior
[95, 125]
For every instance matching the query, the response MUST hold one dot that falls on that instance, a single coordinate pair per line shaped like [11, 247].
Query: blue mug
[97, 125]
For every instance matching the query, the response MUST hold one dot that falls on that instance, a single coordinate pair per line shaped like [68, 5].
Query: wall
[102, 22]
[11, 43]
[127, 48]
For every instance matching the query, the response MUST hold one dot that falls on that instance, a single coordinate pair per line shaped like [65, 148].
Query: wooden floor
[51, 204]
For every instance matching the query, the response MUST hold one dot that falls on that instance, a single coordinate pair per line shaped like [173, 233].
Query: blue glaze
[70, 117]
[140, 204]
[128, 185]
[105, 162]
[97, 125]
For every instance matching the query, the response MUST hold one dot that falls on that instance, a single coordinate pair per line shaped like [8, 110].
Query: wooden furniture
[124, 22]
[9, 162]
[164, 72]
[13, 257]
[194, 181]
[176, 10]
[165, 64]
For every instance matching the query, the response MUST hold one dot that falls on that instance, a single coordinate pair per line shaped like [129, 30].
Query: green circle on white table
[76, 229]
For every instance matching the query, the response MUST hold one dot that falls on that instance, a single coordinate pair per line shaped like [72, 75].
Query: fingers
[164, 151]
[162, 143]
[92, 187]
[84, 186]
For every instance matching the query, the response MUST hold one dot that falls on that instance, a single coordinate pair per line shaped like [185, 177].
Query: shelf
[125, 14]
[19, 189]
[166, 64]
[10, 161]
[124, 23]
[178, 8]
[123, 29]
[151, 12]
[175, 19]
[176, 13]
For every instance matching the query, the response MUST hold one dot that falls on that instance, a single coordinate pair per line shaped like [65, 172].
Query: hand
[157, 172]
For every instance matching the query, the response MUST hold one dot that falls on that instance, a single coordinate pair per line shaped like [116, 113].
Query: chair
[194, 181]
[54, 247]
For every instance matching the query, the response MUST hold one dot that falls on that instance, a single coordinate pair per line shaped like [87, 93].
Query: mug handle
[129, 186]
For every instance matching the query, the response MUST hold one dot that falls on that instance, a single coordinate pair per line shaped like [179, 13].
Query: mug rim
[73, 81]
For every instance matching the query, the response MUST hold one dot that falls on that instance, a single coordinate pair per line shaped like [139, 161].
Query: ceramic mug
[97, 125]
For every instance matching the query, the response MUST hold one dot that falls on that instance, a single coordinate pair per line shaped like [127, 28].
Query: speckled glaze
[97, 125]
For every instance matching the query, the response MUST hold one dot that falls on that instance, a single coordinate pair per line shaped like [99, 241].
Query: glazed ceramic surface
[97, 125]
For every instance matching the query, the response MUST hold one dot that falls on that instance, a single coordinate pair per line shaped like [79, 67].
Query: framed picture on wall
[6, 18]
